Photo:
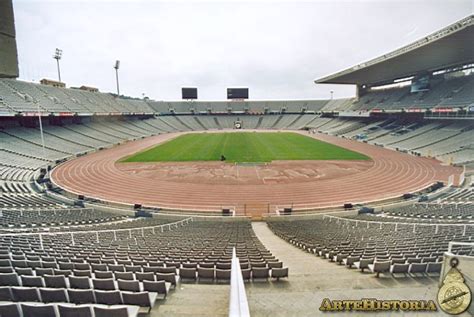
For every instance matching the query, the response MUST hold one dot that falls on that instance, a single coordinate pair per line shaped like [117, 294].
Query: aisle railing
[238, 304]
[74, 234]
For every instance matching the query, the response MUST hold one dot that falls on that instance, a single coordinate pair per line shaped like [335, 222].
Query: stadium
[131, 206]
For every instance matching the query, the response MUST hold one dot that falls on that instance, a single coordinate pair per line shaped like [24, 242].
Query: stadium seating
[404, 240]
[127, 264]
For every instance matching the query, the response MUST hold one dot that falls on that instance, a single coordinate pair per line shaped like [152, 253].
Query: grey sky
[276, 48]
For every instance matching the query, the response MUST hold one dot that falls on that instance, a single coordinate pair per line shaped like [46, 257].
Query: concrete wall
[8, 51]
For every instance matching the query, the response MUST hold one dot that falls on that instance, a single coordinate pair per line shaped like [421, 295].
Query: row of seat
[218, 274]
[56, 295]
[28, 309]
[398, 268]
[102, 282]
[135, 265]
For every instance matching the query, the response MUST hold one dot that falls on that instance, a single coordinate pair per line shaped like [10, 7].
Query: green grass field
[243, 147]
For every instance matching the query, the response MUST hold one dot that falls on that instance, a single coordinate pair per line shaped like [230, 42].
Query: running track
[391, 175]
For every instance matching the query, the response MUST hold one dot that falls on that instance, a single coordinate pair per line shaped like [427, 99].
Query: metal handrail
[115, 231]
[396, 224]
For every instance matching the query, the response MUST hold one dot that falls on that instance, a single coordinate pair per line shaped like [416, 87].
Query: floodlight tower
[117, 66]
[332, 94]
[57, 56]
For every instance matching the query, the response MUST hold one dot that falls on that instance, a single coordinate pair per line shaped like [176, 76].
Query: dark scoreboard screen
[189, 93]
[237, 93]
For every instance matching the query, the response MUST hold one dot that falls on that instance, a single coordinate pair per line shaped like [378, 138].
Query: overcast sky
[275, 48]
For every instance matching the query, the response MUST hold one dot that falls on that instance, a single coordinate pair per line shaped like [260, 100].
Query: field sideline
[242, 147]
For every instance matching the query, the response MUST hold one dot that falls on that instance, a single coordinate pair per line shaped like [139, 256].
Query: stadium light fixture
[57, 56]
[117, 66]
[332, 94]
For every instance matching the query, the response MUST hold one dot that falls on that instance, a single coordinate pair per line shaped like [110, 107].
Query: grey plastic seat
[106, 284]
[66, 266]
[75, 311]
[55, 281]
[108, 297]
[87, 273]
[246, 274]
[66, 273]
[434, 267]
[33, 264]
[82, 266]
[416, 268]
[115, 312]
[167, 277]
[19, 263]
[5, 269]
[190, 265]
[6, 294]
[207, 265]
[166, 270]
[351, 260]
[223, 266]
[5, 262]
[133, 268]
[116, 268]
[142, 299]
[81, 296]
[223, 274]
[260, 272]
[206, 273]
[400, 268]
[82, 282]
[24, 271]
[124, 276]
[49, 295]
[147, 276]
[32, 281]
[46, 310]
[279, 273]
[160, 287]
[187, 273]
[131, 286]
[275, 265]
[99, 267]
[103, 274]
[44, 271]
[9, 279]
[364, 263]
[25, 294]
[51, 265]
[9, 310]
[380, 267]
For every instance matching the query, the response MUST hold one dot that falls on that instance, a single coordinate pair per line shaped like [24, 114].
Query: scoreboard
[237, 93]
[189, 93]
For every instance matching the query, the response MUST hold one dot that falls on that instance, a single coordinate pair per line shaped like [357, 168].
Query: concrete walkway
[192, 299]
[312, 279]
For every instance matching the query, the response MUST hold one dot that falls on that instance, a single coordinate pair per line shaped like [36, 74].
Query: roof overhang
[446, 48]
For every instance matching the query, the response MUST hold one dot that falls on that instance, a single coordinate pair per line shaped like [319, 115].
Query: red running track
[391, 175]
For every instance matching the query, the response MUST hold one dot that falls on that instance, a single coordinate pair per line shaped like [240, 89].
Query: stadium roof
[451, 46]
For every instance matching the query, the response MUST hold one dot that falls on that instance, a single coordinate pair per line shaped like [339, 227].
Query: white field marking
[258, 175]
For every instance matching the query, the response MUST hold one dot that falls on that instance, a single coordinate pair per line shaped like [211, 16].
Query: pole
[117, 80]
[41, 130]
[59, 71]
